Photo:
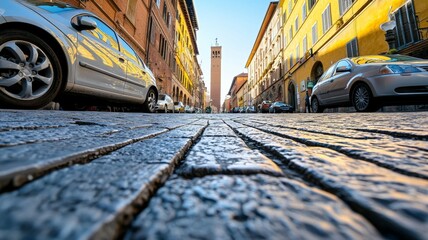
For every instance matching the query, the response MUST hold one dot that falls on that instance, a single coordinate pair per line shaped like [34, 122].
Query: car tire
[166, 109]
[151, 100]
[362, 98]
[31, 76]
[315, 105]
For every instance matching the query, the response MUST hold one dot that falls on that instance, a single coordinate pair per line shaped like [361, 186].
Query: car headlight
[390, 69]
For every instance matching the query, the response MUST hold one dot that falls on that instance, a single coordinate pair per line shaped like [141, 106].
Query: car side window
[127, 50]
[104, 33]
[327, 74]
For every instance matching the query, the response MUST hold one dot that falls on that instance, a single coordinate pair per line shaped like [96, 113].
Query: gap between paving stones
[402, 224]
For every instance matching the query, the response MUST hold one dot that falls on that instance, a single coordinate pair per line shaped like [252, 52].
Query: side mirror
[84, 23]
[343, 69]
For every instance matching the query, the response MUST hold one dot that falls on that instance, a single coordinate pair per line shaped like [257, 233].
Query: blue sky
[236, 24]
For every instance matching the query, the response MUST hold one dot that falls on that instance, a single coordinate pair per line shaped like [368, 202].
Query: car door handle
[122, 60]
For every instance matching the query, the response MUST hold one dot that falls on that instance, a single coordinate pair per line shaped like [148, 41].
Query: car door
[136, 84]
[100, 64]
[323, 86]
[339, 80]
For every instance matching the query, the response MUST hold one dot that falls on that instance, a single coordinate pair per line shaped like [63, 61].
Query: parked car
[52, 51]
[165, 104]
[178, 107]
[370, 82]
[264, 106]
[251, 109]
[189, 109]
[280, 107]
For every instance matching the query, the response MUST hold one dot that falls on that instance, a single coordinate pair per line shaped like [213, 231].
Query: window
[297, 52]
[311, 3]
[152, 30]
[327, 74]
[352, 48]
[344, 5]
[304, 12]
[285, 40]
[296, 24]
[314, 33]
[127, 50]
[291, 61]
[158, 3]
[305, 45]
[164, 11]
[130, 12]
[326, 19]
[104, 33]
[289, 7]
[290, 33]
[406, 30]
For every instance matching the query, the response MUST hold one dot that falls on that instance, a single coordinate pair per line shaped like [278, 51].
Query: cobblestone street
[99, 175]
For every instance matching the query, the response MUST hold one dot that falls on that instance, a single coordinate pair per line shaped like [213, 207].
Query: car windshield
[161, 97]
[382, 58]
[52, 5]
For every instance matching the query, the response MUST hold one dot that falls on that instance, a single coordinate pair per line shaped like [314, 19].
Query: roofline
[269, 14]
[188, 9]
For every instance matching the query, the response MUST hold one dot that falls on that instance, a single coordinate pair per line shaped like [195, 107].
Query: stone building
[316, 33]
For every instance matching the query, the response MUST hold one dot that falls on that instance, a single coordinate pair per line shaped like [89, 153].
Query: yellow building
[188, 71]
[316, 34]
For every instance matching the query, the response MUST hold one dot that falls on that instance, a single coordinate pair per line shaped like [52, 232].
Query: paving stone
[246, 207]
[371, 189]
[23, 163]
[394, 153]
[232, 156]
[93, 200]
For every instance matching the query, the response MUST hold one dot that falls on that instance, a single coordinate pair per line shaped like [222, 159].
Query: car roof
[382, 59]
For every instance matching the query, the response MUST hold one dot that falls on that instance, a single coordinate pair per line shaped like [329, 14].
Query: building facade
[215, 86]
[265, 78]
[160, 43]
[186, 86]
[317, 33]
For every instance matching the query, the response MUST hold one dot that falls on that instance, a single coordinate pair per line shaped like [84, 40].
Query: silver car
[369, 82]
[165, 104]
[51, 51]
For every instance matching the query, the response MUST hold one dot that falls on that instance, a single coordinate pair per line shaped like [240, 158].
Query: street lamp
[388, 28]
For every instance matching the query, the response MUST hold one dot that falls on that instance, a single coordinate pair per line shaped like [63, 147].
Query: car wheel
[30, 73]
[316, 108]
[166, 109]
[362, 98]
[151, 100]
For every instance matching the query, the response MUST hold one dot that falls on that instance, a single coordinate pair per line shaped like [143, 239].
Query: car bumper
[395, 85]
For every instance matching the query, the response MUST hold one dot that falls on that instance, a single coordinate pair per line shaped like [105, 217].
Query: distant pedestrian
[307, 103]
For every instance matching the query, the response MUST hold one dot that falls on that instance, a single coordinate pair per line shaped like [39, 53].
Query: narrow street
[100, 175]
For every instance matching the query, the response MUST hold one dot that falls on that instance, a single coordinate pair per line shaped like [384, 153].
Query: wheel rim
[314, 105]
[151, 101]
[361, 98]
[26, 73]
